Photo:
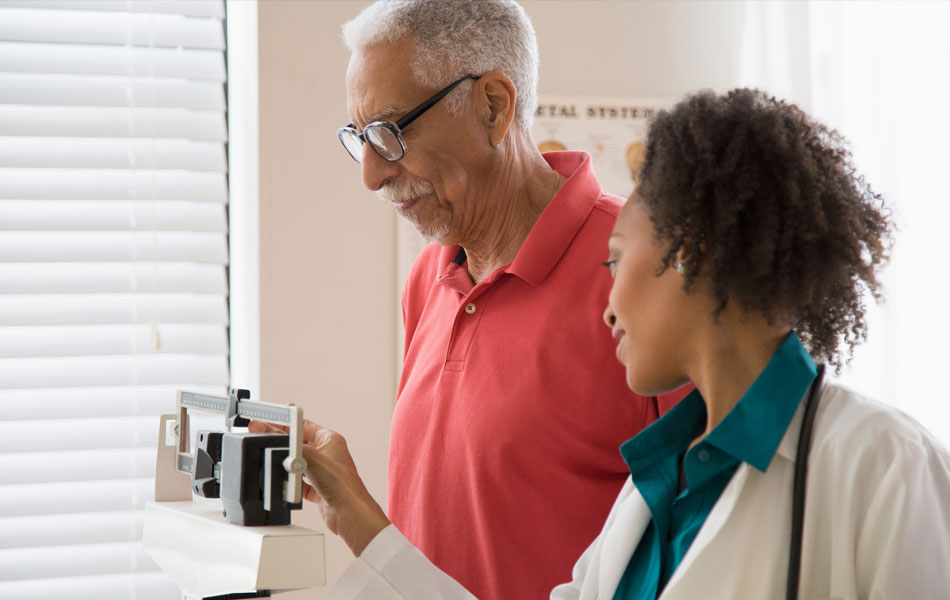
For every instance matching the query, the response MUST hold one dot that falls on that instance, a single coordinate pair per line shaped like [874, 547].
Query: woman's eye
[611, 265]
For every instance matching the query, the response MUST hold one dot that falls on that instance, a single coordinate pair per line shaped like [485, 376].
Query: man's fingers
[312, 455]
[262, 427]
[310, 494]
[312, 433]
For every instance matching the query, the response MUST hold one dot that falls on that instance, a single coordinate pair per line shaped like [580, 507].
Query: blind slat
[76, 465]
[189, 8]
[121, 121]
[77, 434]
[92, 402]
[84, 496]
[109, 309]
[107, 340]
[111, 153]
[81, 371]
[81, 27]
[78, 278]
[87, 90]
[70, 561]
[112, 184]
[111, 215]
[107, 246]
[140, 586]
[127, 61]
[70, 528]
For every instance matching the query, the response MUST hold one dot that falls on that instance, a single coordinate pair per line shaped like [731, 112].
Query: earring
[680, 268]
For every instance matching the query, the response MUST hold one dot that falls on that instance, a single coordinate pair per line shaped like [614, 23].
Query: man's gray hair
[455, 38]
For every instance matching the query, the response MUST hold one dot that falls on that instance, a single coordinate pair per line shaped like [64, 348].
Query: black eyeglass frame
[400, 124]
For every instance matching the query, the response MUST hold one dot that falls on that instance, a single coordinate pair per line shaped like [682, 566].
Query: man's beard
[400, 191]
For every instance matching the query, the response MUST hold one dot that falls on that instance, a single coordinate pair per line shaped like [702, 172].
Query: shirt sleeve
[391, 568]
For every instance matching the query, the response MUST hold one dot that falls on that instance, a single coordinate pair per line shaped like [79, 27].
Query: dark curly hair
[764, 203]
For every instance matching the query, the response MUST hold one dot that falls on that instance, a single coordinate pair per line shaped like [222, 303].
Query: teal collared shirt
[750, 433]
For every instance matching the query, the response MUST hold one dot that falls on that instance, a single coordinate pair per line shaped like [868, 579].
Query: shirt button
[470, 308]
[703, 455]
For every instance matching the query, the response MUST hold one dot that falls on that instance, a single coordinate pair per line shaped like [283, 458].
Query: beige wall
[646, 48]
[328, 321]
[329, 283]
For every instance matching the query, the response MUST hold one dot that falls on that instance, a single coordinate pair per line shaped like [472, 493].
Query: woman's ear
[496, 104]
[680, 261]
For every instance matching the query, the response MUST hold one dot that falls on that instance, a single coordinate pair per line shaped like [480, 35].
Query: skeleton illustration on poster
[611, 129]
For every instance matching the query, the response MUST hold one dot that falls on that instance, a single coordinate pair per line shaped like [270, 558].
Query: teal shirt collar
[753, 429]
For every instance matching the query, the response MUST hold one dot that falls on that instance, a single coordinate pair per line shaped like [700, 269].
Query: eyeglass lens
[351, 141]
[384, 141]
[381, 138]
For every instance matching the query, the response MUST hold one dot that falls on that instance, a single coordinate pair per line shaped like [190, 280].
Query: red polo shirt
[504, 454]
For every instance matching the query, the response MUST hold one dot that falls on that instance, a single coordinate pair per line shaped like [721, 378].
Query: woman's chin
[637, 384]
[648, 384]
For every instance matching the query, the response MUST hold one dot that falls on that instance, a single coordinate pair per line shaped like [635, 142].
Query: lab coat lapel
[714, 522]
[620, 541]
[727, 501]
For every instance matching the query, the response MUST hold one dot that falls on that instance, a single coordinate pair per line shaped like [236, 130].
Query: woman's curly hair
[754, 196]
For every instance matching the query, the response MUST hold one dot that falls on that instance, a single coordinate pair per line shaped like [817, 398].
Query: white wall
[328, 250]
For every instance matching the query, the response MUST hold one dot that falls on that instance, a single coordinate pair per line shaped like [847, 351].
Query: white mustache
[405, 190]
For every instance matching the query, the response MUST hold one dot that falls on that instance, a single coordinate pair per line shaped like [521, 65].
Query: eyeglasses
[385, 137]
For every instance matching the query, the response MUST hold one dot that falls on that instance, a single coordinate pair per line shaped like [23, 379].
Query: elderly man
[511, 405]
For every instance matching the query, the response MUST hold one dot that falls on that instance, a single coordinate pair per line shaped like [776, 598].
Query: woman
[738, 264]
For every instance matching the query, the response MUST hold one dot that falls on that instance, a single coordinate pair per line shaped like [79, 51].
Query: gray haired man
[511, 404]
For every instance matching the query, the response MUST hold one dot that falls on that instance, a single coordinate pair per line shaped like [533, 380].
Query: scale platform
[207, 556]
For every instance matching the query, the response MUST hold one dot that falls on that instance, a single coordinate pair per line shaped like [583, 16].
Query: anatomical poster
[611, 129]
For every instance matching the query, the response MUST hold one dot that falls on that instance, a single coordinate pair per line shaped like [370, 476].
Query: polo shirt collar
[550, 237]
[552, 234]
[755, 426]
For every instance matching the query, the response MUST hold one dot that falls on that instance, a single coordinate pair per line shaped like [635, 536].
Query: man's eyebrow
[386, 114]
[615, 234]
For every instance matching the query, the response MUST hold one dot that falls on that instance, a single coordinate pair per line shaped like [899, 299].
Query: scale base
[207, 556]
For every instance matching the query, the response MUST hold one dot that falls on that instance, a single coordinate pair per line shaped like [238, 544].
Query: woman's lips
[618, 334]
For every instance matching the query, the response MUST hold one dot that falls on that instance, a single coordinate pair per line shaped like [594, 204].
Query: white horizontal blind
[113, 280]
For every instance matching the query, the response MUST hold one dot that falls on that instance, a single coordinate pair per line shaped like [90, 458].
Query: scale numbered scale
[220, 524]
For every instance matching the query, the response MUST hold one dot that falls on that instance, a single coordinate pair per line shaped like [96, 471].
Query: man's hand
[333, 484]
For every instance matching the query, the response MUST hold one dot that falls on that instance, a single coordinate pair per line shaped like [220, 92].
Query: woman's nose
[609, 317]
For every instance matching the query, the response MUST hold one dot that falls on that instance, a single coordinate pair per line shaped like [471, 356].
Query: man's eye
[611, 265]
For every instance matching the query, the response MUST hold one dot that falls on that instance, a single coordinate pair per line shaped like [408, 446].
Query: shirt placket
[468, 315]
[467, 318]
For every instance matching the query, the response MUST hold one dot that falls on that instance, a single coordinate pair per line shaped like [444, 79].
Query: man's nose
[375, 169]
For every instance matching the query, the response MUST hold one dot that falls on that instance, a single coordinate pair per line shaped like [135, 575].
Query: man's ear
[496, 104]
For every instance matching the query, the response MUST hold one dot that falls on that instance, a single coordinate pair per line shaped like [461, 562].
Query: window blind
[113, 276]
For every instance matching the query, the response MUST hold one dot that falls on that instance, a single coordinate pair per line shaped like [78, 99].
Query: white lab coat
[877, 524]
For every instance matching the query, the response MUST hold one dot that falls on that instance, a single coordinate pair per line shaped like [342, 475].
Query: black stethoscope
[798, 489]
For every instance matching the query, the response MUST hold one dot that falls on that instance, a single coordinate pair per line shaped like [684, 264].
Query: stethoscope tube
[799, 486]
